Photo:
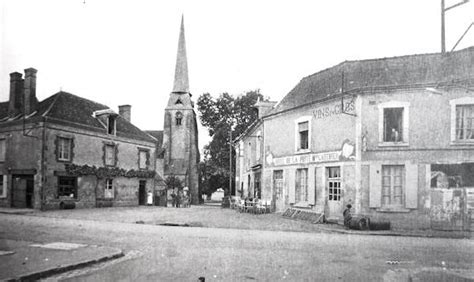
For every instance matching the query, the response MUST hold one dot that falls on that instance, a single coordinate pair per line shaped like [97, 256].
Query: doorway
[278, 197]
[142, 192]
[334, 192]
[23, 191]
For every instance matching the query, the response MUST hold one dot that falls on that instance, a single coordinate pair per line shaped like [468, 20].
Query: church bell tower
[180, 133]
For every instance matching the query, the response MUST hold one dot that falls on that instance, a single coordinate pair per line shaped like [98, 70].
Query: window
[301, 185]
[249, 156]
[334, 183]
[64, 149]
[110, 155]
[303, 135]
[143, 159]
[258, 145]
[2, 149]
[257, 189]
[465, 122]
[109, 188]
[179, 118]
[393, 123]
[452, 175]
[393, 185]
[3, 186]
[278, 183]
[111, 124]
[67, 187]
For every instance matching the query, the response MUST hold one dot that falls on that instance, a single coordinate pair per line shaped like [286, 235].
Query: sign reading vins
[335, 109]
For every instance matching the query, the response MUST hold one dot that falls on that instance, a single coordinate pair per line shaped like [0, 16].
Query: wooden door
[142, 192]
[334, 192]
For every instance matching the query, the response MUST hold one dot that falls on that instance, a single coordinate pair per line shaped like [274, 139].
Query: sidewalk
[22, 260]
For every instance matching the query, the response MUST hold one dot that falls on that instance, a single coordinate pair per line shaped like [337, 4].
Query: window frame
[147, 158]
[392, 195]
[334, 180]
[454, 103]
[298, 121]
[74, 179]
[405, 126]
[59, 158]
[301, 187]
[112, 130]
[114, 152]
[3, 154]
[3, 185]
[109, 191]
[278, 182]
[178, 118]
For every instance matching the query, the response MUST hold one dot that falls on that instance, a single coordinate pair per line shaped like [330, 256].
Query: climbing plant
[107, 172]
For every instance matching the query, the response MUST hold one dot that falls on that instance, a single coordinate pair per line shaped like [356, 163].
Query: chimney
[126, 112]
[30, 91]
[16, 94]
[264, 107]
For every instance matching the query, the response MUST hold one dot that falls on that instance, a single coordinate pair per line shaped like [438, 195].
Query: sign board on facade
[335, 109]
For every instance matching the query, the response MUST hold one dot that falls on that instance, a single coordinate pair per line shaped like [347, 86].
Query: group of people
[180, 198]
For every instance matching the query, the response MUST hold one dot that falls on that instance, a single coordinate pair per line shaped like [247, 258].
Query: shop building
[393, 137]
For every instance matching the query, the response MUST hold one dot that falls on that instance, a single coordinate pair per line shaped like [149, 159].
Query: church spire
[181, 81]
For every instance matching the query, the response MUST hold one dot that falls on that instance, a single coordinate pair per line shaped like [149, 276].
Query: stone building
[393, 137]
[69, 149]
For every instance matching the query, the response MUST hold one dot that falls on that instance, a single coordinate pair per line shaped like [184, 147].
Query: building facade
[393, 137]
[67, 149]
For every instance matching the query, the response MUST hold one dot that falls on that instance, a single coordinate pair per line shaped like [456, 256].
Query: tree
[220, 115]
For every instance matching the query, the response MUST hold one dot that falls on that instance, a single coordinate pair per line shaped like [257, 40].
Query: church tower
[180, 133]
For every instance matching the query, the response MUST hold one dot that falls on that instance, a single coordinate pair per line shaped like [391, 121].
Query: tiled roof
[158, 135]
[404, 71]
[3, 109]
[75, 110]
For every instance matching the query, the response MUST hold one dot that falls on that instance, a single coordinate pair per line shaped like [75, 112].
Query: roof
[158, 135]
[401, 71]
[79, 111]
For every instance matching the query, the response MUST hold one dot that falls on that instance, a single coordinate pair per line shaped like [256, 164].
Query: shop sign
[332, 110]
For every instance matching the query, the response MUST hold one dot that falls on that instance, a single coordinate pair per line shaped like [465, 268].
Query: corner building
[393, 137]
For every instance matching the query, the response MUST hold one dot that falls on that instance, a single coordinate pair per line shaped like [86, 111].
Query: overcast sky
[123, 52]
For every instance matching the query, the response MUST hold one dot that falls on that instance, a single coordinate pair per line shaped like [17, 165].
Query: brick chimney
[15, 105]
[126, 112]
[30, 91]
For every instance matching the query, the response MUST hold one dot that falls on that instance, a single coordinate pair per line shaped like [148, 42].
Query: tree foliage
[219, 115]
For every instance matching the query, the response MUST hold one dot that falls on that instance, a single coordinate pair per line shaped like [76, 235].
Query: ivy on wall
[107, 172]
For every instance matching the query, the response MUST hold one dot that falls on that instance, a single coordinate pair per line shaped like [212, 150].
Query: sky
[119, 52]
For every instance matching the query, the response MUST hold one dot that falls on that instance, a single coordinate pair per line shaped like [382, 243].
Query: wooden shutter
[291, 185]
[411, 186]
[375, 189]
[311, 185]
[319, 186]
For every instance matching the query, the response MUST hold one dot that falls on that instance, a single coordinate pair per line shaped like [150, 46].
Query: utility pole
[443, 32]
[230, 162]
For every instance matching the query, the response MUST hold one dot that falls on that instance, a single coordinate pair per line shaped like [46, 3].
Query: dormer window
[111, 126]
[179, 118]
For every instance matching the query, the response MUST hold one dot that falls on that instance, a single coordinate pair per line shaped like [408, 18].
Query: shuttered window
[393, 185]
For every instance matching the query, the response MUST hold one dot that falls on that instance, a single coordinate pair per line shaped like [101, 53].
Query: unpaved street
[160, 253]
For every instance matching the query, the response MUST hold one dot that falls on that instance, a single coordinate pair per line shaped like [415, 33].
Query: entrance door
[23, 191]
[278, 197]
[334, 192]
[142, 192]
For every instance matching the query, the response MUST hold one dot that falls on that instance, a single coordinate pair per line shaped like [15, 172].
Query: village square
[363, 170]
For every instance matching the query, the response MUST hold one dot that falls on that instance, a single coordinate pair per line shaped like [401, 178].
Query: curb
[64, 268]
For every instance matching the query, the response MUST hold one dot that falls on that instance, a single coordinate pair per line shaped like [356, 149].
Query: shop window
[393, 123]
[452, 175]
[64, 149]
[465, 122]
[2, 149]
[301, 185]
[109, 188]
[110, 154]
[333, 183]
[278, 183]
[393, 185]
[111, 124]
[3, 186]
[67, 186]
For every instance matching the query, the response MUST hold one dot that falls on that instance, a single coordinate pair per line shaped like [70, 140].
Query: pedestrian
[173, 199]
[178, 199]
[347, 215]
